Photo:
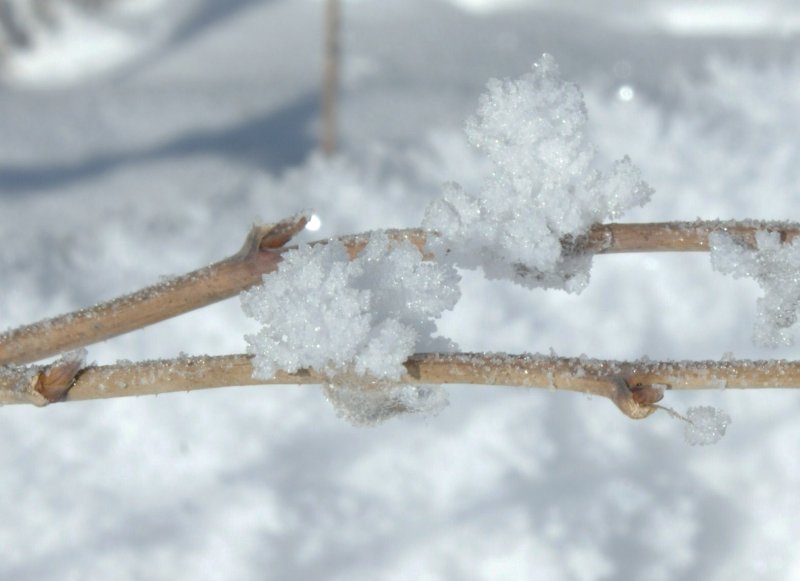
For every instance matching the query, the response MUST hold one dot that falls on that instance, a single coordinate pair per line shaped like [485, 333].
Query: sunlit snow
[544, 186]
[161, 163]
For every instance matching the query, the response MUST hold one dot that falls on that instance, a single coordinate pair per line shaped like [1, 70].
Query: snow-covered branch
[357, 314]
[261, 255]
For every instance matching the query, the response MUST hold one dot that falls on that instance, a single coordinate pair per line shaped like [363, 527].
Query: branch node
[54, 381]
[636, 402]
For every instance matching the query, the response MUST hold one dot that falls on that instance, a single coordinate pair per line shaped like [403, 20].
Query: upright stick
[330, 83]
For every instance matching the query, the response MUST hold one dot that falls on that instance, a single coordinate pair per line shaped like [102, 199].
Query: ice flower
[544, 189]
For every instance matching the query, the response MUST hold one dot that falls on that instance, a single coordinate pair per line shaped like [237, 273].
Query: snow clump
[356, 321]
[544, 187]
[369, 405]
[775, 266]
[705, 425]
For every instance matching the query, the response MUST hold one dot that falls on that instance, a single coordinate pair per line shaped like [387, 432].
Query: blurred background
[140, 139]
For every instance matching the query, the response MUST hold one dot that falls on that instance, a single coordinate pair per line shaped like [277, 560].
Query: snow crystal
[363, 317]
[543, 189]
[776, 268]
[369, 405]
[705, 425]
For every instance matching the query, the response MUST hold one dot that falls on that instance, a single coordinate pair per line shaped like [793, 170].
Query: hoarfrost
[76, 357]
[544, 187]
[369, 405]
[776, 268]
[705, 425]
[359, 319]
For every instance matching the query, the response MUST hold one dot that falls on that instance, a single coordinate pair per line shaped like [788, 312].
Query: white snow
[544, 186]
[73, 44]
[161, 167]
[365, 317]
[776, 268]
[705, 425]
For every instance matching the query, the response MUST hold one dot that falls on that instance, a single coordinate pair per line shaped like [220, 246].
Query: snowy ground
[158, 161]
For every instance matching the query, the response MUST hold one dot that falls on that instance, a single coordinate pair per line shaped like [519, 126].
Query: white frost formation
[705, 425]
[544, 187]
[776, 268]
[356, 321]
[369, 405]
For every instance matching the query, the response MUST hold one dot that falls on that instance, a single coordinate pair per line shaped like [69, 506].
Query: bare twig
[675, 236]
[261, 255]
[632, 386]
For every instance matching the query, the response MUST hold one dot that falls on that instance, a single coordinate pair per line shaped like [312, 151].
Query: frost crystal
[368, 405]
[355, 321]
[544, 187]
[705, 425]
[776, 268]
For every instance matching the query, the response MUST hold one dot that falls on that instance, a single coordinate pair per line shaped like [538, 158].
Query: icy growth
[368, 405]
[543, 188]
[76, 358]
[776, 268]
[361, 318]
[705, 425]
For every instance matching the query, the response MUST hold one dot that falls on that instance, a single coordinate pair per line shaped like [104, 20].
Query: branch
[261, 255]
[632, 386]
[330, 77]
[676, 236]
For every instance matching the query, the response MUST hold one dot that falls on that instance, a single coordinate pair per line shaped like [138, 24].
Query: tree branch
[261, 255]
[632, 386]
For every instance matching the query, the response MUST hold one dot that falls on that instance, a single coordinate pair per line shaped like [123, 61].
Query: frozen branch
[261, 254]
[632, 386]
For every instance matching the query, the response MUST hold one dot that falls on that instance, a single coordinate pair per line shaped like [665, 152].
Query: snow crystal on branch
[705, 425]
[355, 321]
[776, 268]
[369, 405]
[544, 187]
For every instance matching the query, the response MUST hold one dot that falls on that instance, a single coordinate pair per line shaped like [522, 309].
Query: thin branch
[676, 236]
[261, 255]
[330, 80]
[632, 386]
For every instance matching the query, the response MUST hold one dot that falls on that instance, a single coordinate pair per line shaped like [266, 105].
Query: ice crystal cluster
[776, 268]
[544, 187]
[705, 425]
[370, 404]
[324, 311]
[356, 321]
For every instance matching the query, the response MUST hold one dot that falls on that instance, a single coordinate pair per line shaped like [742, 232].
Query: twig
[330, 81]
[261, 255]
[676, 236]
[632, 386]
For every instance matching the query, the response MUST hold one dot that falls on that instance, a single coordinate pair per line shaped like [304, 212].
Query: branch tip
[280, 233]
[264, 237]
